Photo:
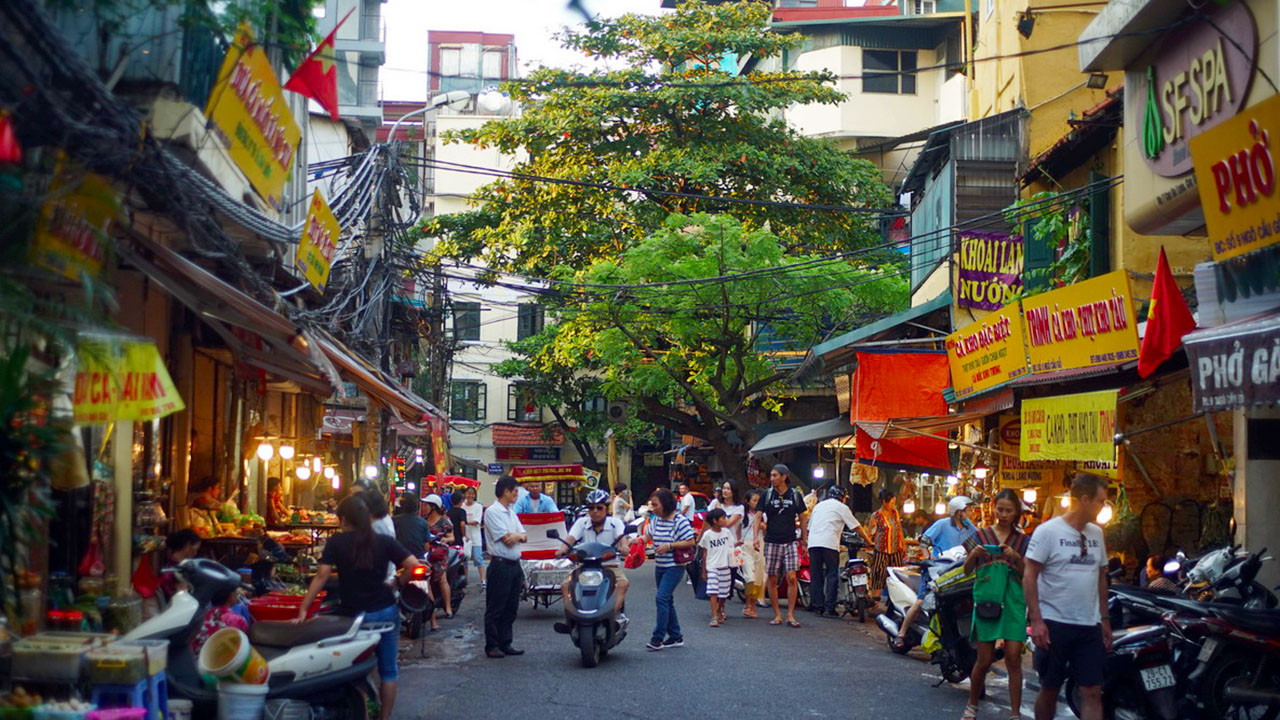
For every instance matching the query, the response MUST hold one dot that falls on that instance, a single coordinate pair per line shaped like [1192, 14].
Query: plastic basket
[48, 714]
[280, 607]
[126, 663]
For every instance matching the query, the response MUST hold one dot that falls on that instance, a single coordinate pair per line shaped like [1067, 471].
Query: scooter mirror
[553, 534]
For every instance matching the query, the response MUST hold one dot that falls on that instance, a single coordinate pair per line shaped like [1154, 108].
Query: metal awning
[935, 426]
[840, 350]
[403, 403]
[804, 435]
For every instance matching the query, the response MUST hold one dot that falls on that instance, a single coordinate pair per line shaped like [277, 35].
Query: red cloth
[1168, 319]
[317, 76]
[898, 385]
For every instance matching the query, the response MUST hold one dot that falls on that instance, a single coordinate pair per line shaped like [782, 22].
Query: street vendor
[179, 545]
[277, 511]
[534, 500]
[206, 494]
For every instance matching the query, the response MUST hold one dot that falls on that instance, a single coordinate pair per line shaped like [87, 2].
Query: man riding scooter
[943, 535]
[599, 527]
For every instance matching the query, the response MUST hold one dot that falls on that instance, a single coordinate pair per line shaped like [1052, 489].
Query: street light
[449, 98]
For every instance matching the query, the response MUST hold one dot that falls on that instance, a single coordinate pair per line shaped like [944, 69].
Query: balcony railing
[373, 27]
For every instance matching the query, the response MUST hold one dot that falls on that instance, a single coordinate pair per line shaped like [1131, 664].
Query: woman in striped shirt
[669, 531]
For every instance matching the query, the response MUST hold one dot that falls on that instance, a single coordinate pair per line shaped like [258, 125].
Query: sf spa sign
[986, 353]
[1070, 427]
[1083, 325]
[249, 111]
[1236, 174]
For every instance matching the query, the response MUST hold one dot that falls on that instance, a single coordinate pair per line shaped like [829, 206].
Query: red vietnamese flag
[1168, 319]
[317, 76]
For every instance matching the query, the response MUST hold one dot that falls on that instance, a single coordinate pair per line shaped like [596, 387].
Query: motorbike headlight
[590, 578]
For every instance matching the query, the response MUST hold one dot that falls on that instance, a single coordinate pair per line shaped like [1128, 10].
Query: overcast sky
[532, 21]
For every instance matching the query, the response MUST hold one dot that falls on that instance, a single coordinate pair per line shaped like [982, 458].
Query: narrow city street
[833, 668]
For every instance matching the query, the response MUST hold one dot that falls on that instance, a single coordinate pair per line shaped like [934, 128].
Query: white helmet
[433, 499]
[958, 503]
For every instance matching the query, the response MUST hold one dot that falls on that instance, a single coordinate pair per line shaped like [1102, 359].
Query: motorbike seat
[1262, 622]
[1137, 635]
[911, 580]
[287, 634]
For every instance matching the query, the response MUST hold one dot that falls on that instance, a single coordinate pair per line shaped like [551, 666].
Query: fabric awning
[256, 334]
[1237, 364]
[403, 403]
[905, 427]
[804, 435]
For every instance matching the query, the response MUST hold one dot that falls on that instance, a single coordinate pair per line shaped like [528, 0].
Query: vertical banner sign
[1236, 173]
[990, 269]
[1070, 427]
[71, 233]
[988, 352]
[248, 109]
[122, 380]
[318, 242]
[1082, 325]
[440, 444]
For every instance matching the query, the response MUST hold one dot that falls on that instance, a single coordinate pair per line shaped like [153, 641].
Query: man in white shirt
[687, 506]
[1065, 583]
[826, 521]
[475, 539]
[597, 526]
[504, 534]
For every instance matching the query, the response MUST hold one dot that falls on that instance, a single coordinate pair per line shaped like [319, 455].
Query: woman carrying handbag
[673, 539]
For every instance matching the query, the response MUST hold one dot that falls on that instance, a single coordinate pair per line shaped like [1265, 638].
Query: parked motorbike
[1140, 682]
[592, 617]
[417, 599]
[802, 579]
[1226, 575]
[855, 577]
[325, 661]
[951, 600]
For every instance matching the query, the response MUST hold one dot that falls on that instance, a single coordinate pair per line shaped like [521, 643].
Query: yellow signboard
[122, 380]
[985, 353]
[318, 242]
[1236, 174]
[71, 234]
[1070, 427]
[1016, 473]
[248, 108]
[1082, 325]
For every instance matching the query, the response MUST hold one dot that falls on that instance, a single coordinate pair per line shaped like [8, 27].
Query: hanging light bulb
[952, 481]
[335, 482]
[316, 464]
[303, 472]
[286, 452]
[265, 451]
[940, 508]
[819, 472]
[909, 506]
[330, 473]
[980, 473]
[1104, 515]
[1064, 501]
[411, 487]
[371, 471]
[1029, 496]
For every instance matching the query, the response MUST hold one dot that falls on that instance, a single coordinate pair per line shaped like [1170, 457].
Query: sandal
[776, 621]
[793, 623]
[970, 713]
[750, 614]
[715, 623]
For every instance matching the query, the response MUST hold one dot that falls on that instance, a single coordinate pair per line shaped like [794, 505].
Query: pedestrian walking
[1000, 609]
[781, 510]
[475, 537]
[505, 534]
[890, 544]
[753, 560]
[688, 508]
[717, 543]
[1065, 584]
[669, 532]
[826, 522]
[622, 503]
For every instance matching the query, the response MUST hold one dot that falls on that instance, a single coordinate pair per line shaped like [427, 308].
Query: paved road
[747, 669]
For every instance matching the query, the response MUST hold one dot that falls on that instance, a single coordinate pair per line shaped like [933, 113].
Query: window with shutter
[1099, 225]
[1039, 255]
[530, 318]
[466, 321]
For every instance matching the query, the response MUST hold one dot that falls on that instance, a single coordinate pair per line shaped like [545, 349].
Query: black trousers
[502, 600]
[824, 573]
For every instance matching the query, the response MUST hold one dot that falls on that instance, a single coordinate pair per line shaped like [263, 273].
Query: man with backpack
[780, 510]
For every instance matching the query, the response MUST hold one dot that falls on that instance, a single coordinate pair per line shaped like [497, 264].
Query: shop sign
[1082, 325]
[70, 235]
[1070, 427]
[338, 421]
[1235, 371]
[653, 459]
[122, 380]
[1199, 78]
[248, 108]
[527, 453]
[1017, 473]
[1236, 174]
[439, 444]
[988, 352]
[494, 468]
[990, 269]
[318, 243]
[548, 473]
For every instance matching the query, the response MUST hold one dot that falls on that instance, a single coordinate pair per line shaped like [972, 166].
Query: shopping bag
[635, 557]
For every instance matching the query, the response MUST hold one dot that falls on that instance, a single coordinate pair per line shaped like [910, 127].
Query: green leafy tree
[672, 121]
[688, 355]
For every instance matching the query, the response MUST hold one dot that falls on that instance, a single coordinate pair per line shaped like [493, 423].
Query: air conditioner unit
[616, 410]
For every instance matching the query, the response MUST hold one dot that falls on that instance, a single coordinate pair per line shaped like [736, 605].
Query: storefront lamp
[940, 508]
[909, 506]
[330, 473]
[303, 472]
[265, 451]
[980, 473]
[1029, 496]
[335, 482]
[819, 472]
[1064, 501]
[371, 471]
[317, 464]
[286, 452]
[952, 481]
[411, 487]
[1104, 515]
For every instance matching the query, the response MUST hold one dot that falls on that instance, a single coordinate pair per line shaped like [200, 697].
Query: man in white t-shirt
[826, 521]
[1065, 583]
[475, 535]
[687, 507]
[598, 527]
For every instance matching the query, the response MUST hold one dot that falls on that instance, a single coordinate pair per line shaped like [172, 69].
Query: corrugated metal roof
[1072, 374]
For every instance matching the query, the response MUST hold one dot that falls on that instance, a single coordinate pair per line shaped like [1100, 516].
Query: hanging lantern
[909, 506]
[10, 150]
[329, 472]
[286, 452]
[940, 508]
[980, 473]
[952, 481]
[371, 471]
[1029, 496]
[1105, 514]
[303, 472]
[1064, 501]
[317, 464]
[265, 451]
[335, 482]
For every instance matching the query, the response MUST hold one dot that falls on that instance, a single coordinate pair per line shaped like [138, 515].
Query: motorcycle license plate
[1160, 676]
[1206, 650]
[858, 580]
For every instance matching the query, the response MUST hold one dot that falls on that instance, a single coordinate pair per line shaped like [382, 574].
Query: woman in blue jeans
[360, 557]
[669, 531]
